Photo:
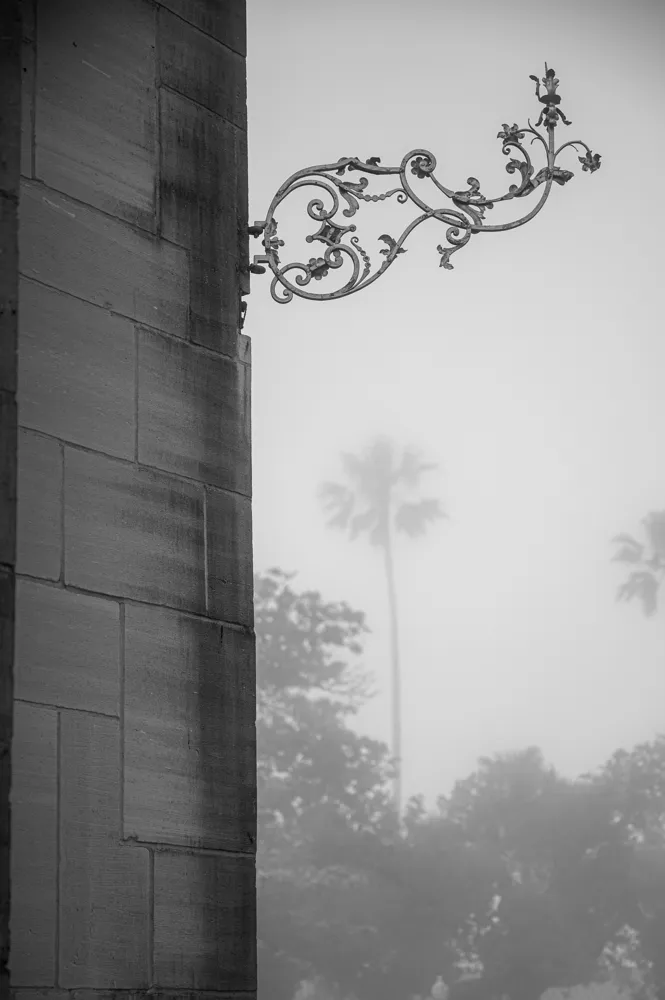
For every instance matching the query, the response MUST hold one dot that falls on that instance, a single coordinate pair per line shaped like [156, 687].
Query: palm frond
[339, 502]
[414, 518]
[353, 466]
[629, 554]
[654, 527]
[364, 522]
[371, 474]
[412, 467]
[624, 539]
[643, 586]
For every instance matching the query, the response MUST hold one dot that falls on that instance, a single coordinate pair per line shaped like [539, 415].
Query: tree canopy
[527, 880]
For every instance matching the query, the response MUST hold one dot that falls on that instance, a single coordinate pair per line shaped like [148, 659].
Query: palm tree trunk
[396, 706]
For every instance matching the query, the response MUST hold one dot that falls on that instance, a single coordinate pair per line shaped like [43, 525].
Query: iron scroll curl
[338, 196]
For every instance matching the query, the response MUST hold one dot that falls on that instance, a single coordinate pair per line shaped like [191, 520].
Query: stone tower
[128, 697]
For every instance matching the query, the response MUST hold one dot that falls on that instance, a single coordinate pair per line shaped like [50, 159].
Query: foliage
[376, 495]
[314, 773]
[534, 881]
[647, 561]
[311, 764]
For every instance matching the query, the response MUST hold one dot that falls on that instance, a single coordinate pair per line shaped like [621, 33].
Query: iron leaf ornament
[341, 193]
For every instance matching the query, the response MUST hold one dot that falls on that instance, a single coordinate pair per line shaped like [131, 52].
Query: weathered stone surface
[198, 179]
[8, 292]
[76, 249]
[28, 18]
[10, 159]
[27, 108]
[8, 476]
[10, 82]
[96, 108]
[189, 731]
[67, 648]
[229, 555]
[39, 514]
[149, 994]
[103, 884]
[242, 203]
[47, 994]
[204, 922]
[130, 532]
[7, 588]
[224, 21]
[214, 303]
[245, 349]
[203, 170]
[88, 233]
[199, 67]
[193, 413]
[34, 840]
[77, 373]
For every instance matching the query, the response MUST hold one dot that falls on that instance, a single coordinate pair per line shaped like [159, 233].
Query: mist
[530, 377]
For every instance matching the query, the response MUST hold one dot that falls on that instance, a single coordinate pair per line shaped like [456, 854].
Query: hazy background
[534, 372]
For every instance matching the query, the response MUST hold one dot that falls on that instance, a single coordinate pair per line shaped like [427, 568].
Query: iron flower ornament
[463, 218]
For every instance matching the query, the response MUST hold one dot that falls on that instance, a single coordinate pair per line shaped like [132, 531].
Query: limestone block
[96, 107]
[48, 994]
[198, 182]
[27, 107]
[77, 371]
[224, 21]
[190, 769]
[242, 207]
[229, 556]
[204, 922]
[8, 287]
[131, 532]
[8, 477]
[39, 514]
[214, 304]
[67, 648]
[34, 840]
[151, 994]
[198, 66]
[76, 249]
[28, 16]
[193, 413]
[103, 883]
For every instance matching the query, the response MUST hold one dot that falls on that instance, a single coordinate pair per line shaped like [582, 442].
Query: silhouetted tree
[375, 501]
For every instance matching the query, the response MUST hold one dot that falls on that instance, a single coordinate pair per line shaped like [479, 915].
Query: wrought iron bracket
[463, 220]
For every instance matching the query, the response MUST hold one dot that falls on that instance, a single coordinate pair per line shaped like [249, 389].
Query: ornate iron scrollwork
[463, 219]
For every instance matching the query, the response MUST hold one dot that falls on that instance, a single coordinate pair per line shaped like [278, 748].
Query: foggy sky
[534, 372]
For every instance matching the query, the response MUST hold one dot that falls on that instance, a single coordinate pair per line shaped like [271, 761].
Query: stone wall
[133, 758]
[10, 158]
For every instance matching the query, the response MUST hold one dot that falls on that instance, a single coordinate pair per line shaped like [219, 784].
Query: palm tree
[647, 560]
[374, 502]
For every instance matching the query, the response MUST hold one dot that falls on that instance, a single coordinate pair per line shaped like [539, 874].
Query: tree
[534, 881]
[344, 893]
[376, 501]
[638, 780]
[309, 685]
[313, 773]
[586, 867]
[647, 560]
